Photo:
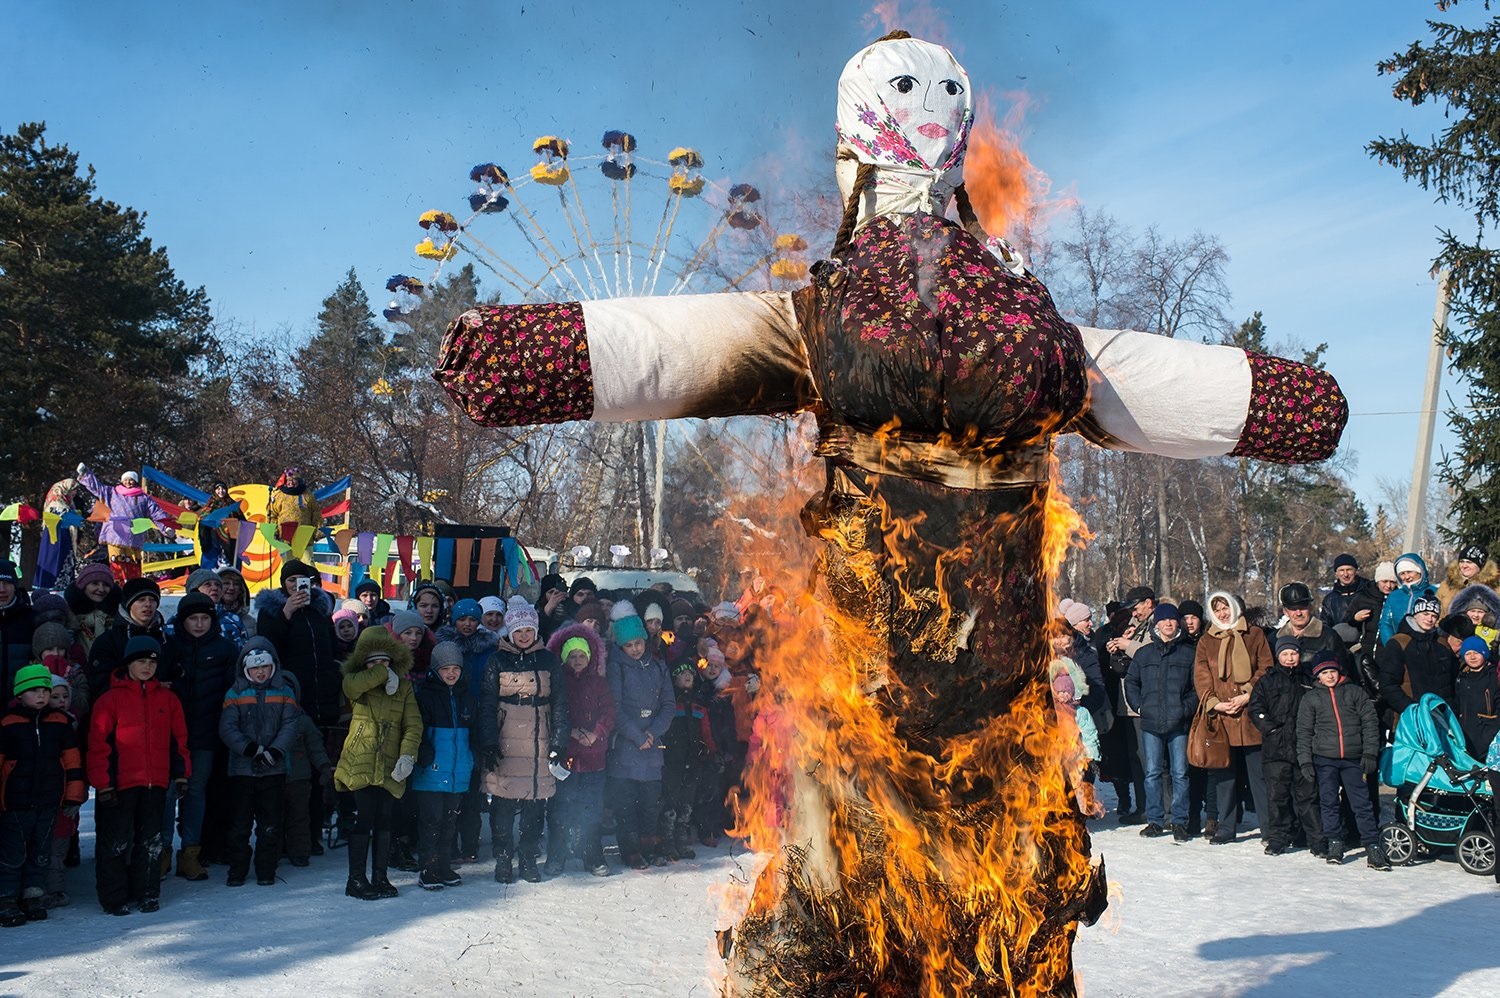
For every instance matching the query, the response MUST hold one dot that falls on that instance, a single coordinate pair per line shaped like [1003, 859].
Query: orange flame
[1011, 195]
[934, 864]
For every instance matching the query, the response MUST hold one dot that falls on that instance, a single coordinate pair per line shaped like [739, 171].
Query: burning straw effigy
[917, 801]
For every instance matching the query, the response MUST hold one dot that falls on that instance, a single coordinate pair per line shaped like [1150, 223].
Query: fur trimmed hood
[1478, 593]
[377, 639]
[1488, 575]
[275, 599]
[598, 651]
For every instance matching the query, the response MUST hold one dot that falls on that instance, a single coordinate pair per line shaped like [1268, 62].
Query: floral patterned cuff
[1297, 412]
[517, 365]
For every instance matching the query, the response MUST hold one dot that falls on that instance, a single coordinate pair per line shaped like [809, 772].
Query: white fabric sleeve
[1159, 395]
[695, 355]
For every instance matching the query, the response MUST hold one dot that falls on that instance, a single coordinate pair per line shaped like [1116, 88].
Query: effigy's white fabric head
[905, 107]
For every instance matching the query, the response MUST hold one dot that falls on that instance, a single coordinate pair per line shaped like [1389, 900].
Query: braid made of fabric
[967, 216]
[862, 180]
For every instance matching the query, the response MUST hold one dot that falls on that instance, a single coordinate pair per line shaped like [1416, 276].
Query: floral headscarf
[904, 107]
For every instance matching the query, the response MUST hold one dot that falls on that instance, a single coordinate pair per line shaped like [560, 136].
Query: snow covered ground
[1189, 920]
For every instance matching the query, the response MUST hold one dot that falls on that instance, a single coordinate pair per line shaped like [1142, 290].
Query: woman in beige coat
[1231, 657]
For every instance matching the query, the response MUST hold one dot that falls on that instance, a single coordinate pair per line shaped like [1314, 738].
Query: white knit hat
[492, 604]
[519, 613]
[1386, 572]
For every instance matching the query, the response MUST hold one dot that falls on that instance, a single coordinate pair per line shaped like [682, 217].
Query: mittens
[1369, 764]
[403, 767]
[268, 761]
[1308, 774]
[252, 750]
[391, 682]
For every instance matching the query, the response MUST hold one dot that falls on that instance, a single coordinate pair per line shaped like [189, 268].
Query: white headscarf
[904, 106]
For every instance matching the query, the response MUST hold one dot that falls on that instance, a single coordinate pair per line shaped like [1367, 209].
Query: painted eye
[904, 84]
[952, 87]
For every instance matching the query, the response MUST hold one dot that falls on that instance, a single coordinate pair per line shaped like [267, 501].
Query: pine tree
[1459, 70]
[103, 344]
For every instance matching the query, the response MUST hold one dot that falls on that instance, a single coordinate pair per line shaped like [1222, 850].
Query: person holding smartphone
[297, 618]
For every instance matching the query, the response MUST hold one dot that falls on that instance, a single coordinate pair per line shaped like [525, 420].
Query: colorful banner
[22, 513]
[442, 559]
[382, 555]
[242, 541]
[141, 524]
[486, 569]
[364, 548]
[341, 539]
[463, 551]
[50, 521]
[301, 539]
[404, 551]
[424, 555]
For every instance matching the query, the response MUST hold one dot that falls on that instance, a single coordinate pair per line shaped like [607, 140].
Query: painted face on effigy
[905, 102]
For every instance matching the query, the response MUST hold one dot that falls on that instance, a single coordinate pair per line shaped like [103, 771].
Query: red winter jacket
[137, 736]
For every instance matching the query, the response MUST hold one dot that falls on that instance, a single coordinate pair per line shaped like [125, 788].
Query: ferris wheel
[608, 225]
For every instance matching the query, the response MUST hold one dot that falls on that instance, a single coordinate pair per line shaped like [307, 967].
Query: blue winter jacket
[445, 762]
[644, 702]
[1398, 603]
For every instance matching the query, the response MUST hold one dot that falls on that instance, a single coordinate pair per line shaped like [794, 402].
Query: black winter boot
[1335, 854]
[379, 860]
[359, 855]
[504, 872]
[1375, 857]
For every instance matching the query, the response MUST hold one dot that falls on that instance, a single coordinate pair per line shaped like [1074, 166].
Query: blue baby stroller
[1443, 797]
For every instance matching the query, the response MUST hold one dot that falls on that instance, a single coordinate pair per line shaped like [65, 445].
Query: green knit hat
[576, 644]
[33, 677]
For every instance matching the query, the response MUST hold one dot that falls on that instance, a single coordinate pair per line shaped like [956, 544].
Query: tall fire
[919, 809]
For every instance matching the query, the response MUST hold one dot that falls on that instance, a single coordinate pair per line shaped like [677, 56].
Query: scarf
[1234, 658]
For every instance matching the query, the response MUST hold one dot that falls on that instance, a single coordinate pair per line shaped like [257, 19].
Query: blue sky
[274, 145]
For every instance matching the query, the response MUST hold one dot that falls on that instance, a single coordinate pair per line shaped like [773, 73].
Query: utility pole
[1421, 470]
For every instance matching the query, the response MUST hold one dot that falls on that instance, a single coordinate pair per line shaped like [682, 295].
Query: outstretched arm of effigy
[1181, 399]
[627, 359]
[743, 354]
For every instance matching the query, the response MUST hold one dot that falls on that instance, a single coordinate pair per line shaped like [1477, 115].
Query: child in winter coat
[689, 744]
[644, 706]
[137, 745]
[445, 765]
[1338, 740]
[308, 756]
[199, 665]
[1477, 696]
[1291, 798]
[578, 809]
[380, 752]
[477, 643]
[65, 828]
[40, 771]
[259, 724]
[1068, 688]
[95, 601]
[523, 724]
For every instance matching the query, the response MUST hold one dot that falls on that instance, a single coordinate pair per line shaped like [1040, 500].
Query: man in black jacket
[1347, 584]
[1159, 685]
[1312, 636]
